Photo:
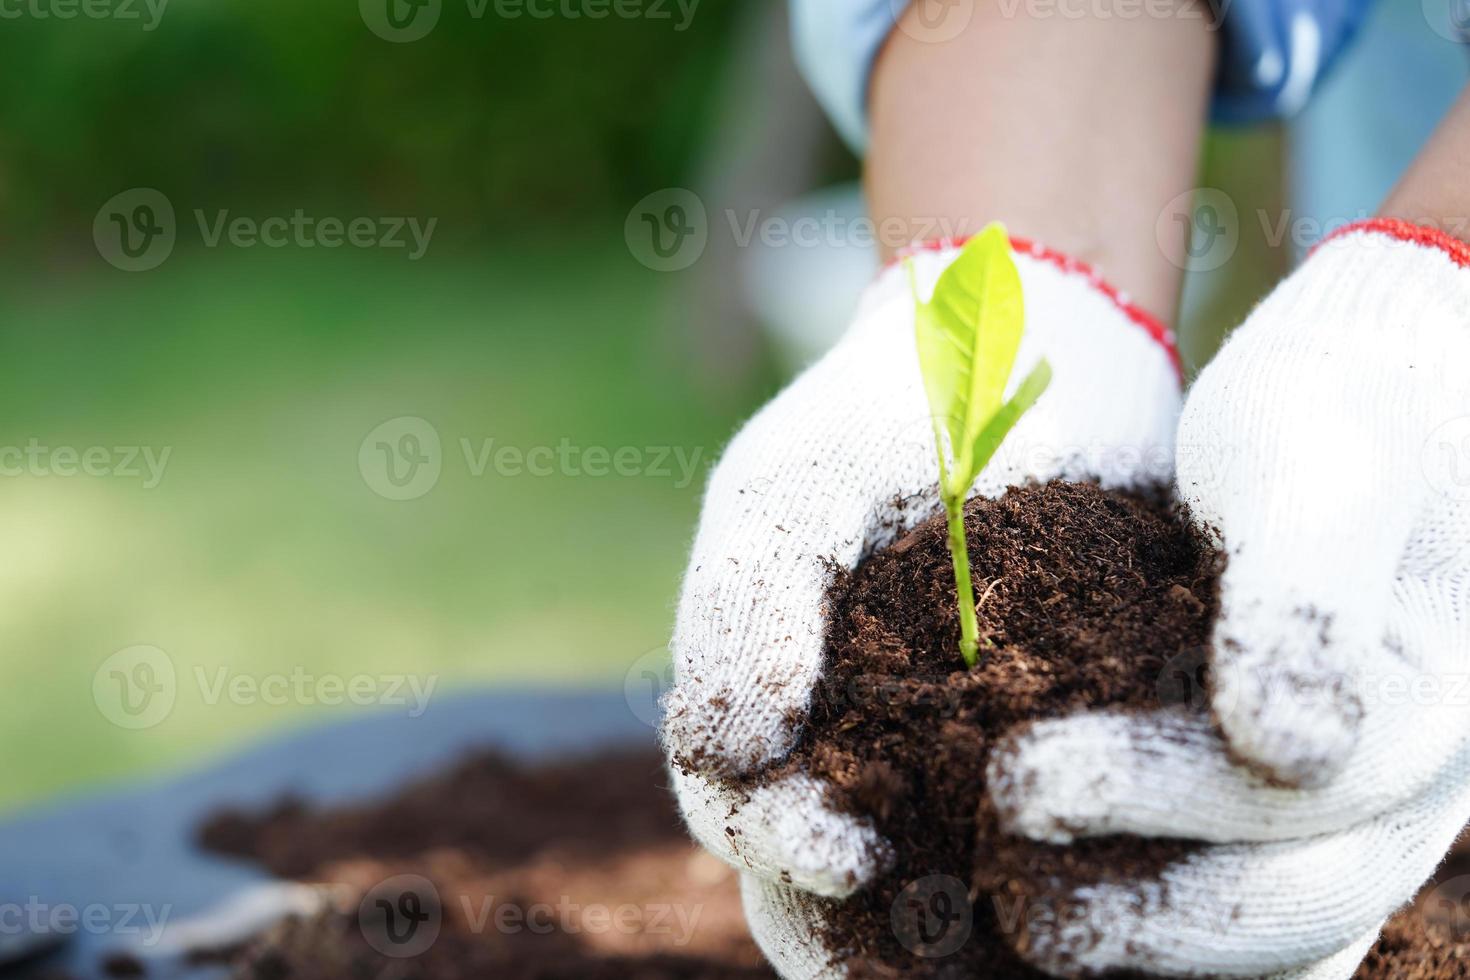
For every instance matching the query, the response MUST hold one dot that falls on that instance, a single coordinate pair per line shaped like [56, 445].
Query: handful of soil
[1089, 599]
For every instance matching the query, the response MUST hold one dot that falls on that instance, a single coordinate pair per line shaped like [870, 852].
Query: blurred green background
[265, 549]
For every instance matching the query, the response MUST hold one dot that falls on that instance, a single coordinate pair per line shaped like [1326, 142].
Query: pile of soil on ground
[1090, 599]
[1429, 940]
[571, 871]
[1085, 598]
[601, 830]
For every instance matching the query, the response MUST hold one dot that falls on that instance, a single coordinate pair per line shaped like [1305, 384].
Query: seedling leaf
[968, 334]
[987, 443]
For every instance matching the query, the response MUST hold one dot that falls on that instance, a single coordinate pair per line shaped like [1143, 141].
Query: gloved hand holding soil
[750, 641]
[1213, 728]
[900, 814]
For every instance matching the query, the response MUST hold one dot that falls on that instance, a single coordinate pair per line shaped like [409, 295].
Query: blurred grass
[263, 549]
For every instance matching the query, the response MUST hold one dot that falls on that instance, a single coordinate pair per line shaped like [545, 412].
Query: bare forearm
[1073, 130]
[1435, 191]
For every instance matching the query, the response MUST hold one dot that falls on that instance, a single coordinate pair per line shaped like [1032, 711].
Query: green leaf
[968, 334]
[1003, 421]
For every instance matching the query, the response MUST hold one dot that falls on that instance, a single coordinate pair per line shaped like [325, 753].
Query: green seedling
[968, 335]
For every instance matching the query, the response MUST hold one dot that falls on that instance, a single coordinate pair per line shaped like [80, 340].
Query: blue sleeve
[1273, 54]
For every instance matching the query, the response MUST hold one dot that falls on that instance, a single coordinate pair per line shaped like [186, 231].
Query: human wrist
[1433, 192]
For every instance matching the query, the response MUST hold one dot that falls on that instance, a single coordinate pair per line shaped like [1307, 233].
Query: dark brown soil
[488, 807]
[621, 845]
[124, 965]
[1085, 598]
[568, 872]
[1088, 599]
[1091, 599]
[1429, 940]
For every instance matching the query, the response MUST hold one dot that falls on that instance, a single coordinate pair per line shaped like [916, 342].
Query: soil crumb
[576, 870]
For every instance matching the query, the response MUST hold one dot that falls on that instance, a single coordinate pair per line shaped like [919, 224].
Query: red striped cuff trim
[1151, 324]
[1408, 231]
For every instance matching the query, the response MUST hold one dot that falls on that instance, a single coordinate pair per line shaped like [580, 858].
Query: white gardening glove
[1329, 446]
[788, 923]
[838, 465]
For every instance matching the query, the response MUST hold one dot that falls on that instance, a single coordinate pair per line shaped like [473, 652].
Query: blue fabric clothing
[1273, 52]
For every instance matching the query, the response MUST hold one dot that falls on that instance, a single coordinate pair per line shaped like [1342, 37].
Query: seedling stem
[969, 334]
